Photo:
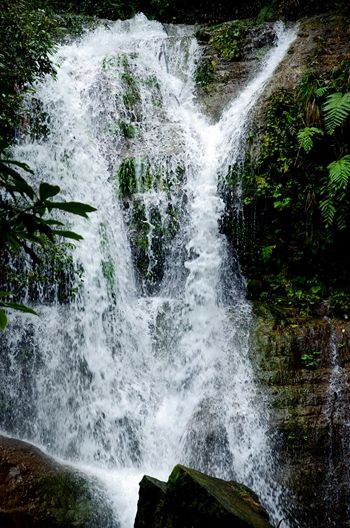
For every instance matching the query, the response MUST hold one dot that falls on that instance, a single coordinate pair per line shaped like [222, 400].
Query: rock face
[36, 491]
[226, 76]
[304, 362]
[191, 499]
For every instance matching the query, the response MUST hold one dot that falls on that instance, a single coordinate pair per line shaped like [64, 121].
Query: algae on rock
[191, 499]
[38, 492]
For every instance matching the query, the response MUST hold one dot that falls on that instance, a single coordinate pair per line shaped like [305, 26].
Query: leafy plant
[205, 72]
[26, 222]
[228, 38]
[306, 135]
[339, 175]
[26, 41]
[309, 360]
[336, 109]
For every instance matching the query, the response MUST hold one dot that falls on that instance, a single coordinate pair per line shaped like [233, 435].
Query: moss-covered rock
[37, 492]
[231, 53]
[298, 358]
[151, 503]
[191, 499]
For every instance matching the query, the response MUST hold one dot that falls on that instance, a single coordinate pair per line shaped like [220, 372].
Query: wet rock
[227, 76]
[191, 499]
[37, 492]
[294, 360]
[150, 507]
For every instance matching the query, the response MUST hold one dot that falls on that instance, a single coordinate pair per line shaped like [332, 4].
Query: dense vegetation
[27, 226]
[296, 182]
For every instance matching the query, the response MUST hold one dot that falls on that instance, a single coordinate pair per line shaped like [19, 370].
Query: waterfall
[335, 415]
[149, 365]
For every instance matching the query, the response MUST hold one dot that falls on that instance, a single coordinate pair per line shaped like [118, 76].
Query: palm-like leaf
[338, 181]
[339, 174]
[336, 109]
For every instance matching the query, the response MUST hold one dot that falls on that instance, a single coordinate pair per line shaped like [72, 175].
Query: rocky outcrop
[37, 492]
[231, 53]
[304, 362]
[191, 499]
[322, 42]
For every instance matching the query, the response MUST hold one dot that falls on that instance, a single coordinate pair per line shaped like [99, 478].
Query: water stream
[149, 365]
[335, 414]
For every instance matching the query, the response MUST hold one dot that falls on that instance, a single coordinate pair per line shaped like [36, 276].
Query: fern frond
[335, 191]
[305, 136]
[336, 109]
[328, 210]
[321, 91]
[341, 217]
[339, 174]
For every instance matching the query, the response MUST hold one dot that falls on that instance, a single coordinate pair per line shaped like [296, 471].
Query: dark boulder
[37, 492]
[191, 499]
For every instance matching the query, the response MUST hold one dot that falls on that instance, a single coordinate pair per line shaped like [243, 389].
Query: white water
[123, 383]
[336, 415]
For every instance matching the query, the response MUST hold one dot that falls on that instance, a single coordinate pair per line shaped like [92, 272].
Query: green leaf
[328, 211]
[338, 181]
[336, 110]
[305, 136]
[20, 164]
[53, 222]
[77, 208]
[3, 320]
[339, 174]
[18, 307]
[16, 182]
[47, 191]
[67, 234]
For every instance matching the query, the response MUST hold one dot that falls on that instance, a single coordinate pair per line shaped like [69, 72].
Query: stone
[151, 503]
[37, 492]
[191, 499]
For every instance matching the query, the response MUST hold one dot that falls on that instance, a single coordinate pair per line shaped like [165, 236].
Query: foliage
[26, 220]
[28, 223]
[26, 40]
[228, 38]
[336, 110]
[205, 71]
[23, 211]
[295, 182]
[305, 137]
[310, 360]
[335, 190]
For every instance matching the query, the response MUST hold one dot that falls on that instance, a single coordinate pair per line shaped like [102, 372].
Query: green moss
[131, 94]
[72, 501]
[139, 223]
[228, 38]
[310, 360]
[134, 175]
[126, 178]
[197, 499]
[108, 272]
[205, 72]
[127, 129]
[152, 82]
[115, 61]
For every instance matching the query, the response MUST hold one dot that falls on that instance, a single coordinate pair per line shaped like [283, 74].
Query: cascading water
[148, 367]
[335, 413]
